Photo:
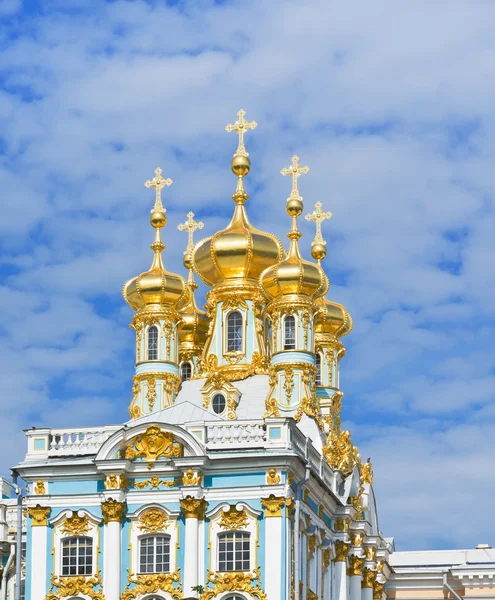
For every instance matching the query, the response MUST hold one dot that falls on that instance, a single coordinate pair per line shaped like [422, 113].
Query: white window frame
[158, 338]
[319, 372]
[191, 366]
[153, 536]
[284, 349]
[226, 350]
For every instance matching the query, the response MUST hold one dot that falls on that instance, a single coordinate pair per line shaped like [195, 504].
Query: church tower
[156, 296]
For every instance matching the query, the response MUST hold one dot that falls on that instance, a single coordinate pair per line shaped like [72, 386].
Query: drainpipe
[3, 593]
[296, 535]
[448, 587]
[18, 571]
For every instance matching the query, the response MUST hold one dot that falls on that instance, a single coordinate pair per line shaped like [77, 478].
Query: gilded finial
[241, 126]
[158, 183]
[190, 226]
[318, 247]
[295, 171]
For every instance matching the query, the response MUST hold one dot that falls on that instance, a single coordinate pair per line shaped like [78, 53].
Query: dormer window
[186, 371]
[289, 333]
[234, 332]
[153, 343]
[218, 404]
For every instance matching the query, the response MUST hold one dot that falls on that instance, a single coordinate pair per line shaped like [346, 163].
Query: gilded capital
[356, 565]
[341, 551]
[341, 524]
[273, 505]
[194, 508]
[39, 515]
[113, 510]
[378, 589]
[369, 577]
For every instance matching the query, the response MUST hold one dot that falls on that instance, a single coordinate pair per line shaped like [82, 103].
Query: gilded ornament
[191, 478]
[273, 506]
[305, 325]
[378, 590]
[234, 519]
[339, 451]
[295, 171]
[341, 524]
[233, 301]
[321, 509]
[318, 216]
[63, 587]
[309, 406]
[312, 543]
[356, 564]
[357, 502]
[288, 383]
[39, 515]
[155, 482]
[271, 409]
[241, 127]
[310, 595]
[326, 558]
[113, 510]
[194, 508]
[367, 472]
[39, 488]
[341, 551]
[152, 445]
[143, 585]
[112, 482]
[357, 538]
[75, 525]
[158, 183]
[290, 477]
[151, 393]
[233, 582]
[135, 411]
[369, 577]
[370, 552]
[272, 477]
[153, 520]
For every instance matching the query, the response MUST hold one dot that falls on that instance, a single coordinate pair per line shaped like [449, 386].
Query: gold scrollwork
[113, 510]
[233, 519]
[341, 551]
[369, 577]
[62, 587]
[233, 582]
[288, 383]
[116, 482]
[152, 445]
[356, 564]
[153, 520]
[75, 525]
[378, 590]
[151, 584]
[155, 482]
[194, 508]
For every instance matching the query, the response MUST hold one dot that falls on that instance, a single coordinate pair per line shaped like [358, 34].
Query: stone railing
[80, 441]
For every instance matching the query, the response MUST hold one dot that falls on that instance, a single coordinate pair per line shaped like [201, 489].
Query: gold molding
[39, 515]
[233, 582]
[113, 511]
[193, 508]
[153, 583]
[75, 586]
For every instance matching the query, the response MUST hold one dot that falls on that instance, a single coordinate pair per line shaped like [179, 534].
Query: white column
[113, 513]
[369, 577]
[273, 545]
[194, 512]
[340, 571]
[39, 536]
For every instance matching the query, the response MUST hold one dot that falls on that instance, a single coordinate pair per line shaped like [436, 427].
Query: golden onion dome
[195, 322]
[156, 287]
[240, 251]
[332, 318]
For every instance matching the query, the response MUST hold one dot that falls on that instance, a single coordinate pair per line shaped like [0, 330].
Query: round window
[218, 403]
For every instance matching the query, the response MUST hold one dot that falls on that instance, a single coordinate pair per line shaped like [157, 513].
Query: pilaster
[340, 587]
[39, 536]
[113, 515]
[273, 544]
[194, 511]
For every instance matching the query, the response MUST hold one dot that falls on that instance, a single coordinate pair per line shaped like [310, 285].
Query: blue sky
[391, 106]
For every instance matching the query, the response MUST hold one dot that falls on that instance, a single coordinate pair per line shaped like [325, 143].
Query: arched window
[268, 337]
[234, 332]
[186, 371]
[234, 551]
[218, 404]
[77, 556]
[154, 554]
[289, 333]
[318, 368]
[153, 343]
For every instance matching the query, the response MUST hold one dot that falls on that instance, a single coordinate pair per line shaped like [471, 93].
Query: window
[233, 551]
[154, 554]
[186, 371]
[268, 337]
[318, 368]
[153, 343]
[234, 332]
[77, 556]
[289, 333]
[218, 404]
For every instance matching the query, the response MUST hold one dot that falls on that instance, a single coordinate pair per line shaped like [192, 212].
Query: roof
[443, 558]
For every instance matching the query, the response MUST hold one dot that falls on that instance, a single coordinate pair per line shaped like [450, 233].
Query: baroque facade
[232, 478]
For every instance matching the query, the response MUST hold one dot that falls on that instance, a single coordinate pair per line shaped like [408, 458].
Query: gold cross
[318, 216]
[158, 182]
[295, 171]
[241, 126]
[190, 226]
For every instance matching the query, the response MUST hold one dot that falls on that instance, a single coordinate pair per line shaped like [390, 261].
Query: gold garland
[151, 584]
[155, 483]
[75, 586]
[233, 582]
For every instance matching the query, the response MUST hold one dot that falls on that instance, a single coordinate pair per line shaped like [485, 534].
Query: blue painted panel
[234, 480]
[289, 356]
[327, 520]
[71, 487]
[312, 504]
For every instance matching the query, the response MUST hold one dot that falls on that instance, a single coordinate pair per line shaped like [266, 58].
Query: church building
[233, 478]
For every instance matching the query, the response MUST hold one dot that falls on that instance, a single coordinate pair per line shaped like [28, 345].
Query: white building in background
[232, 479]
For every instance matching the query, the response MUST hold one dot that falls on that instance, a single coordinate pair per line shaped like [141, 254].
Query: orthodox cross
[158, 182]
[241, 126]
[295, 171]
[190, 226]
[318, 216]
